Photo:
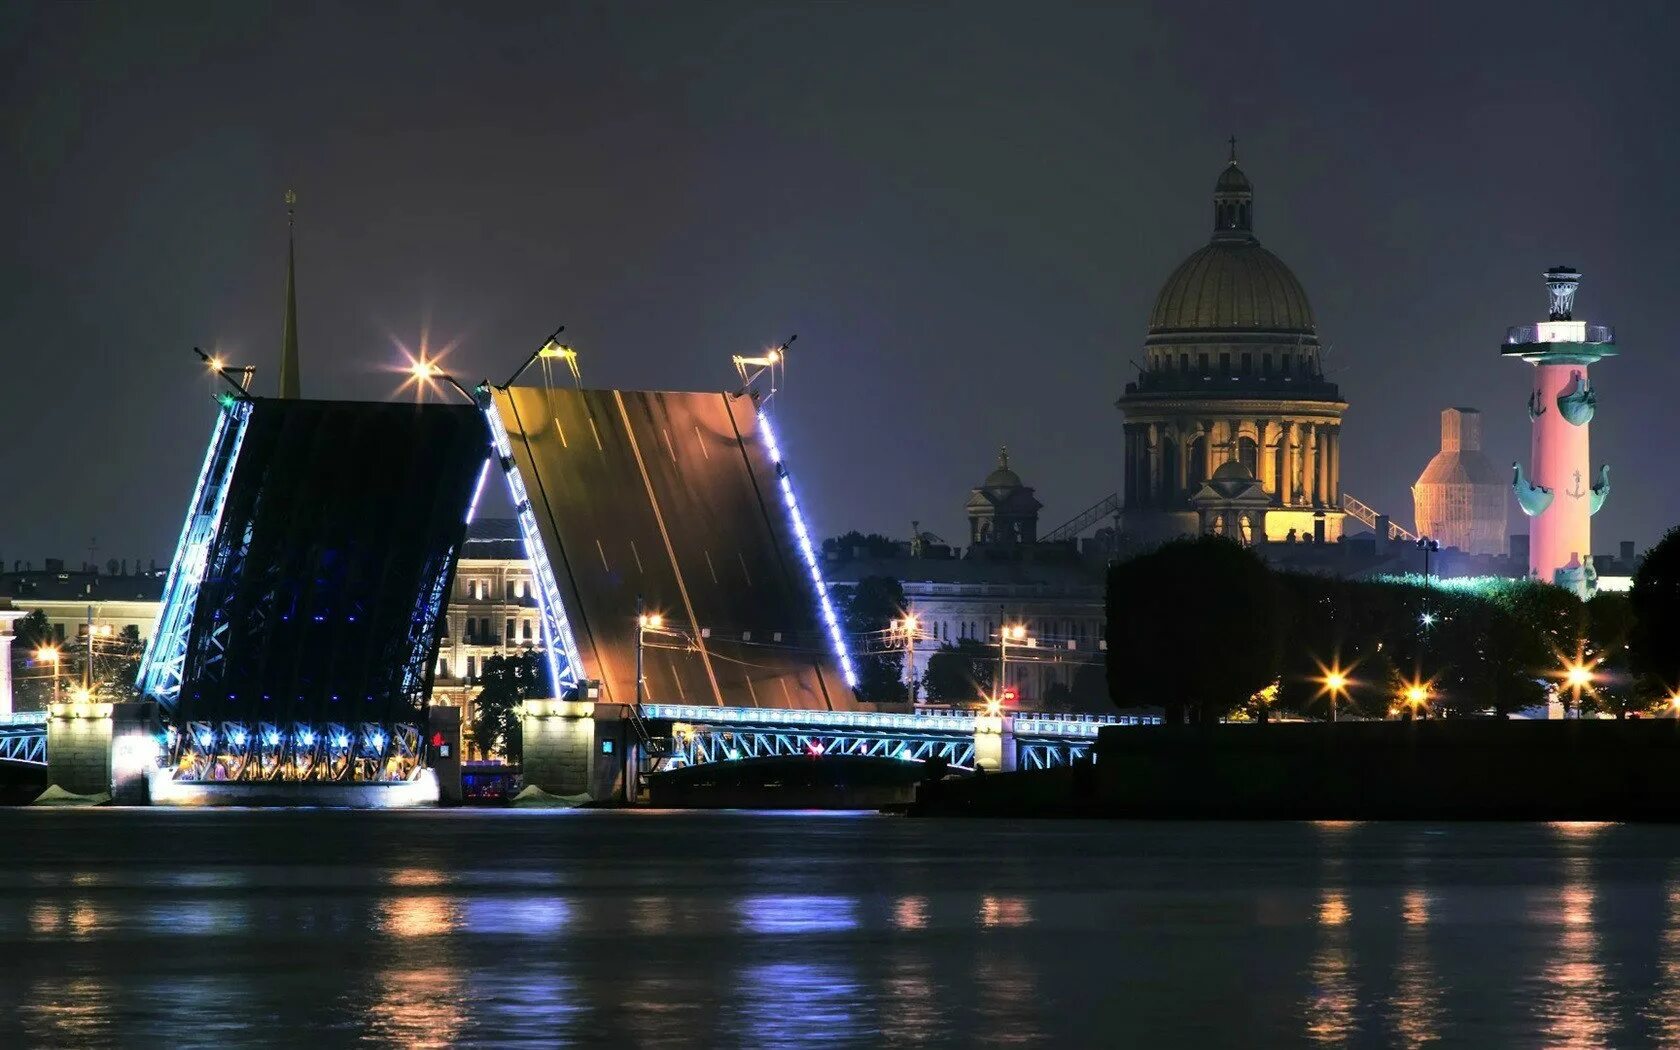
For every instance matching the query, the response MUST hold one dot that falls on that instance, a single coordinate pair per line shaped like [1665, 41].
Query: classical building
[1001, 510]
[1460, 496]
[492, 611]
[1231, 403]
[1006, 576]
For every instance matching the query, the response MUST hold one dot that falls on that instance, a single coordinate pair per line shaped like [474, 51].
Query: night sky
[964, 211]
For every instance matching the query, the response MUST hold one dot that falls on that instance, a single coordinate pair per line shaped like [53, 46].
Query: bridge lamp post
[645, 622]
[1334, 684]
[1578, 676]
[50, 654]
[425, 371]
[1416, 697]
[1009, 632]
[909, 627]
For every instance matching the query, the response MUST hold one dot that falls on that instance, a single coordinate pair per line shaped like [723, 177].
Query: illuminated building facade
[1231, 426]
[1460, 496]
[1560, 493]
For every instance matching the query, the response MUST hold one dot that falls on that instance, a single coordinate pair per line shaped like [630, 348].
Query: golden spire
[289, 384]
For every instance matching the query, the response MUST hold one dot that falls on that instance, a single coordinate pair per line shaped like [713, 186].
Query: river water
[215, 928]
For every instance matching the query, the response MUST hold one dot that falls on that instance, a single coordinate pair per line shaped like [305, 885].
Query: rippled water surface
[160, 928]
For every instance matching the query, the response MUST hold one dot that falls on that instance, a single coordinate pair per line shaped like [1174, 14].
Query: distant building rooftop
[47, 586]
[495, 539]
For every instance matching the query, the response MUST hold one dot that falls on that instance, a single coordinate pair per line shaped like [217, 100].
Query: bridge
[302, 610]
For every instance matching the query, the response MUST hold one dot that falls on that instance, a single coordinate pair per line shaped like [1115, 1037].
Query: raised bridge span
[303, 607]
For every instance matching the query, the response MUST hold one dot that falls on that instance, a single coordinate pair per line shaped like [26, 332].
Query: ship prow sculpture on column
[1555, 491]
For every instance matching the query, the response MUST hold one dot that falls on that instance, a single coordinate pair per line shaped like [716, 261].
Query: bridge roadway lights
[101, 748]
[994, 743]
[575, 747]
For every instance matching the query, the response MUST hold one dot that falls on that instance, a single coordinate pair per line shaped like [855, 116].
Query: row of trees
[1204, 628]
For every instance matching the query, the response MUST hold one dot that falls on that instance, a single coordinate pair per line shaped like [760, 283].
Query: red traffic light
[1010, 696]
[437, 740]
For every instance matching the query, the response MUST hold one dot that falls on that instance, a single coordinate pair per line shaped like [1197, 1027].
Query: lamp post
[49, 654]
[425, 371]
[645, 622]
[1335, 683]
[1577, 676]
[908, 627]
[1428, 547]
[1007, 632]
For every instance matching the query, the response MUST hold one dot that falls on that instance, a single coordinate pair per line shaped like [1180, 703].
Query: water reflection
[798, 1004]
[1334, 999]
[798, 914]
[72, 1012]
[1573, 1005]
[417, 1007]
[517, 916]
[1008, 992]
[910, 913]
[998, 912]
[1664, 1011]
[1415, 1002]
[912, 1010]
[426, 916]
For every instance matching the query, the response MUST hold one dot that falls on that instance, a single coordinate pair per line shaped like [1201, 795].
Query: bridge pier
[575, 747]
[994, 743]
[443, 752]
[100, 748]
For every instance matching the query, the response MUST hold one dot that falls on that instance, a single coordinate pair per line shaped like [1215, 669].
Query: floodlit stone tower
[1561, 493]
[1460, 496]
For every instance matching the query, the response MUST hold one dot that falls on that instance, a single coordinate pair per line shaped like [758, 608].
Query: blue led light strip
[564, 667]
[836, 638]
[162, 666]
[478, 490]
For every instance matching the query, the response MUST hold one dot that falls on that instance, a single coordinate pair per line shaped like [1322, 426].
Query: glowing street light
[645, 622]
[1334, 683]
[908, 628]
[1008, 632]
[1416, 695]
[1427, 619]
[50, 654]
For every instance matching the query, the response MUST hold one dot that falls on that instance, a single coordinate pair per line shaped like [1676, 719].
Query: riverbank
[1441, 770]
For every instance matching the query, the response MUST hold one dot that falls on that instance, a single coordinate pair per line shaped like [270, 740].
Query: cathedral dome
[1232, 285]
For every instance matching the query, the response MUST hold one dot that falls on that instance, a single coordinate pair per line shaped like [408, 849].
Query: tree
[508, 681]
[870, 608]
[960, 673]
[1193, 627]
[31, 682]
[1655, 601]
[1616, 689]
[873, 545]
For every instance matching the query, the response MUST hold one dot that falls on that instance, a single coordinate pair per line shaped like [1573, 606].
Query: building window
[472, 631]
[484, 631]
[510, 630]
[1184, 363]
[519, 588]
[526, 629]
[1248, 364]
[1266, 364]
[1202, 363]
[443, 667]
[1225, 364]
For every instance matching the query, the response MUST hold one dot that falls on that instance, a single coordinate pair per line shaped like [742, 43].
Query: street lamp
[1578, 676]
[1416, 696]
[49, 654]
[423, 372]
[1008, 632]
[1334, 684]
[908, 627]
[1428, 547]
[645, 622]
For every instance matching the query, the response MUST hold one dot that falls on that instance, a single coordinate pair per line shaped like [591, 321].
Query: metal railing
[1367, 516]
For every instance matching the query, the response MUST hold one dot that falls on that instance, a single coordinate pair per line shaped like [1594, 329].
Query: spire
[1233, 202]
[289, 385]
[1003, 457]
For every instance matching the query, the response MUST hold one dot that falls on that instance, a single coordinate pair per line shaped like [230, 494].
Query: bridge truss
[23, 738]
[722, 734]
